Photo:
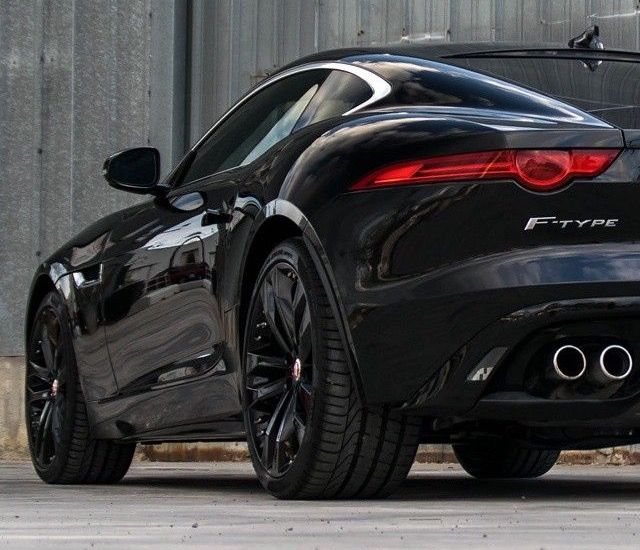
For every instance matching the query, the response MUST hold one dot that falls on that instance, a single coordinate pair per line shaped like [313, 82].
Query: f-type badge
[585, 223]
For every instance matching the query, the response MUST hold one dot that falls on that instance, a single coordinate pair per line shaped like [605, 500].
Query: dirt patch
[194, 452]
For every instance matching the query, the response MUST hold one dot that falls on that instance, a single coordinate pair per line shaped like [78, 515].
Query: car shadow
[432, 486]
[445, 487]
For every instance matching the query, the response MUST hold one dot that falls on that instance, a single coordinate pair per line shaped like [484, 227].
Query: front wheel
[504, 459]
[62, 449]
[308, 433]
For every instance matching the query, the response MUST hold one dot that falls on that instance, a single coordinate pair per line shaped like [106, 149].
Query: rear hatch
[605, 84]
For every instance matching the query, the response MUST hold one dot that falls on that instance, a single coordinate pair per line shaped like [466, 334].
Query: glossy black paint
[428, 280]
[135, 170]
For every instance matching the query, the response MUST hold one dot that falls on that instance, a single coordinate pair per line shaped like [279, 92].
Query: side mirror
[135, 170]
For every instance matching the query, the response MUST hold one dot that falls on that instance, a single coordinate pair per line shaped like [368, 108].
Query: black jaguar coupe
[374, 248]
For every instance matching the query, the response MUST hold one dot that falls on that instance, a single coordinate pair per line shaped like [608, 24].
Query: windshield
[607, 89]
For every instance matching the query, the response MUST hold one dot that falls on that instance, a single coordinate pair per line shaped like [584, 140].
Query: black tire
[60, 443]
[504, 459]
[336, 447]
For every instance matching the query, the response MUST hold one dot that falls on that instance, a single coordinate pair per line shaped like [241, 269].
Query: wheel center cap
[296, 370]
[54, 387]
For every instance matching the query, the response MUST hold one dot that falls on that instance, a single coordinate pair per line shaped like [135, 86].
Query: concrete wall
[13, 433]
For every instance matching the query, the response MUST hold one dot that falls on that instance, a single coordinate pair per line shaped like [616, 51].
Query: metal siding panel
[440, 20]
[471, 20]
[56, 191]
[74, 88]
[618, 21]
[372, 18]
[217, 80]
[330, 21]
[308, 25]
[292, 23]
[395, 21]
[565, 19]
[110, 99]
[267, 38]
[167, 80]
[20, 169]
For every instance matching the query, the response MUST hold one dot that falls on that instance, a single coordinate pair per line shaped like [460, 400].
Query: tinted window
[611, 91]
[272, 114]
[339, 93]
[261, 122]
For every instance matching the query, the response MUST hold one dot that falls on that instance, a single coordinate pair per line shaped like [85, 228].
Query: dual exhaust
[612, 364]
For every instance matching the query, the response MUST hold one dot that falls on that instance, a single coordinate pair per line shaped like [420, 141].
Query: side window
[339, 93]
[260, 123]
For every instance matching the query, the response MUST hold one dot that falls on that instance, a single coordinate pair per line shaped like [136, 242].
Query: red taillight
[537, 169]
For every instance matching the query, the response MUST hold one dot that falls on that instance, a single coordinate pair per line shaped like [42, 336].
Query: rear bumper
[508, 345]
[418, 340]
[526, 409]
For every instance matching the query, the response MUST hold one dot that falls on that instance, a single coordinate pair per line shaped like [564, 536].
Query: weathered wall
[235, 43]
[13, 437]
[78, 81]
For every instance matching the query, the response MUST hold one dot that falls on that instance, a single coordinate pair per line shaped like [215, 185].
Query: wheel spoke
[47, 350]
[59, 371]
[300, 427]
[265, 365]
[299, 297]
[269, 309]
[268, 390]
[43, 431]
[285, 431]
[304, 396]
[58, 418]
[283, 291]
[36, 396]
[269, 437]
[41, 373]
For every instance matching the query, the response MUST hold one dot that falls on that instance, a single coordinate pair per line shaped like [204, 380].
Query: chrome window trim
[379, 88]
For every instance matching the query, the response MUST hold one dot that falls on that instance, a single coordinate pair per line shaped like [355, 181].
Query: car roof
[428, 50]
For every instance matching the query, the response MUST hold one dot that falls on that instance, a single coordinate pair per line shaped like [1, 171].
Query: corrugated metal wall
[76, 83]
[235, 43]
[80, 79]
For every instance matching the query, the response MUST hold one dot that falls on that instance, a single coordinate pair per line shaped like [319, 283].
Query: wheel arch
[278, 221]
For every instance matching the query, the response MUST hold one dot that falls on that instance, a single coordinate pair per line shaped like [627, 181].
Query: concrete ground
[222, 506]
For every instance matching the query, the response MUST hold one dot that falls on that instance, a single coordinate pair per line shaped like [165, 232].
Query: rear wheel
[308, 432]
[506, 459]
[62, 449]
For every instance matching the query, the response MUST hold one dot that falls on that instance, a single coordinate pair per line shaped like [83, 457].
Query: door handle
[216, 215]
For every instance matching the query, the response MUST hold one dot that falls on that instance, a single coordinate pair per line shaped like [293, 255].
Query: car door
[160, 296]
[159, 307]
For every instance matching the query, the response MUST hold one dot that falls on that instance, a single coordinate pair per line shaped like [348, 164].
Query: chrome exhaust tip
[569, 362]
[615, 363]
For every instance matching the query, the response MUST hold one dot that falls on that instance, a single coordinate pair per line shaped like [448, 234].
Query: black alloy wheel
[60, 441]
[46, 387]
[308, 432]
[279, 368]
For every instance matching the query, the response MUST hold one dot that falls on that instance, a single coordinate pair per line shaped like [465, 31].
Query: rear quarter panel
[420, 269]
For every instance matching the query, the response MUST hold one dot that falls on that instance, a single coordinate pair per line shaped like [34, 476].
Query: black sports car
[372, 249]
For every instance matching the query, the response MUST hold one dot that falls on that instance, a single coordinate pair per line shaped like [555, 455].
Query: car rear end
[496, 264]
